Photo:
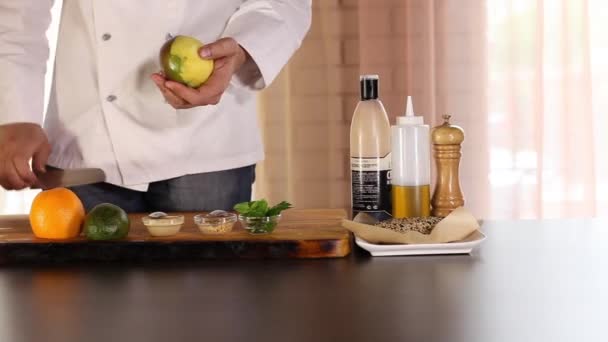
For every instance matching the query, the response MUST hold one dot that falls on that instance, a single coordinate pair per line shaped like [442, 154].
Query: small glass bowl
[260, 225]
[215, 222]
[164, 225]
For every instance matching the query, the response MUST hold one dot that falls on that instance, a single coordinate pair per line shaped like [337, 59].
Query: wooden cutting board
[300, 234]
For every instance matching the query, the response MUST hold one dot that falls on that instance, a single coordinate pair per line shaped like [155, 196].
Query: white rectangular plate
[461, 247]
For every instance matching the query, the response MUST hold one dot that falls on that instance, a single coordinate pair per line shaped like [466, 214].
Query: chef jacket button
[106, 36]
[111, 98]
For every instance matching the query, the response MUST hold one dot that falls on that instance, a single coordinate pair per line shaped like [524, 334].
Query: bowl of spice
[215, 222]
[161, 224]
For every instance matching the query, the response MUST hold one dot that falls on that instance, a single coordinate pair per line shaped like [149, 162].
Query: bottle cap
[409, 118]
[369, 87]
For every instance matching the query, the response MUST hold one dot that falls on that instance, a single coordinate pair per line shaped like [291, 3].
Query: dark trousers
[197, 192]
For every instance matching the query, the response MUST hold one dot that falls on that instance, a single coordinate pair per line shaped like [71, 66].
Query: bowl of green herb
[257, 217]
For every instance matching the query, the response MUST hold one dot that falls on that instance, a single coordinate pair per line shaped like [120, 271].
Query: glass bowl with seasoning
[261, 224]
[161, 224]
[215, 222]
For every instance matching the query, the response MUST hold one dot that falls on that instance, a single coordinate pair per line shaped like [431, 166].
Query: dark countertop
[529, 281]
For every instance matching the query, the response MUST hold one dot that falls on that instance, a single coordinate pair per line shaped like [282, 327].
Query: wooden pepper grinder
[447, 140]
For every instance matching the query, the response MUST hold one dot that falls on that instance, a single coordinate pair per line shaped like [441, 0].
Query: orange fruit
[56, 214]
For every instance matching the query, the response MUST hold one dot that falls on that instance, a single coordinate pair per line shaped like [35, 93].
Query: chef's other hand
[228, 57]
[20, 142]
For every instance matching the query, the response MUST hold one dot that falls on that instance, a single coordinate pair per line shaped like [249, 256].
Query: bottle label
[371, 186]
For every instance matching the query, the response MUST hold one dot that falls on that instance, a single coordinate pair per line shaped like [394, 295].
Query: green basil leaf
[277, 209]
[258, 208]
[243, 208]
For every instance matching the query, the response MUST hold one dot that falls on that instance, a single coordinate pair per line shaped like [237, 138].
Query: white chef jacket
[104, 110]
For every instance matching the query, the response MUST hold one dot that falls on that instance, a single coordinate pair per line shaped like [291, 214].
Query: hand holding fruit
[224, 57]
[20, 142]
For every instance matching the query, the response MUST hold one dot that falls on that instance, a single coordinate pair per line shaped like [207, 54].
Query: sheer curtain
[525, 79]
[547, 86]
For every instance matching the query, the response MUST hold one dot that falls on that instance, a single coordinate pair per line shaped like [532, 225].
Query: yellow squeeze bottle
[411, 165]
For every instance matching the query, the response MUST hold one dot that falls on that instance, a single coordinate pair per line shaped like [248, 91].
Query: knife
[54, 177]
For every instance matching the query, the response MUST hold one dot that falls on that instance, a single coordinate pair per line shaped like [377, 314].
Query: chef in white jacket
[163, 146]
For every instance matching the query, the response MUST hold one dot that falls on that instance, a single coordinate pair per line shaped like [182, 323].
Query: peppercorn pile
[423, 225]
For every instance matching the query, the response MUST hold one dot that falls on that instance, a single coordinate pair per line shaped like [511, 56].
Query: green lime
[106, 222]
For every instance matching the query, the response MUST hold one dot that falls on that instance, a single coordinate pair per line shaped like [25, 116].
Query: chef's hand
[20, 142]
[228, 57]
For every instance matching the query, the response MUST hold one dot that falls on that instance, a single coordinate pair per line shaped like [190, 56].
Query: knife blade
[54, 177]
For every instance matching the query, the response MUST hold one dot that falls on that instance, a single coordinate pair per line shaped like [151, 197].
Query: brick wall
[306, 112]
